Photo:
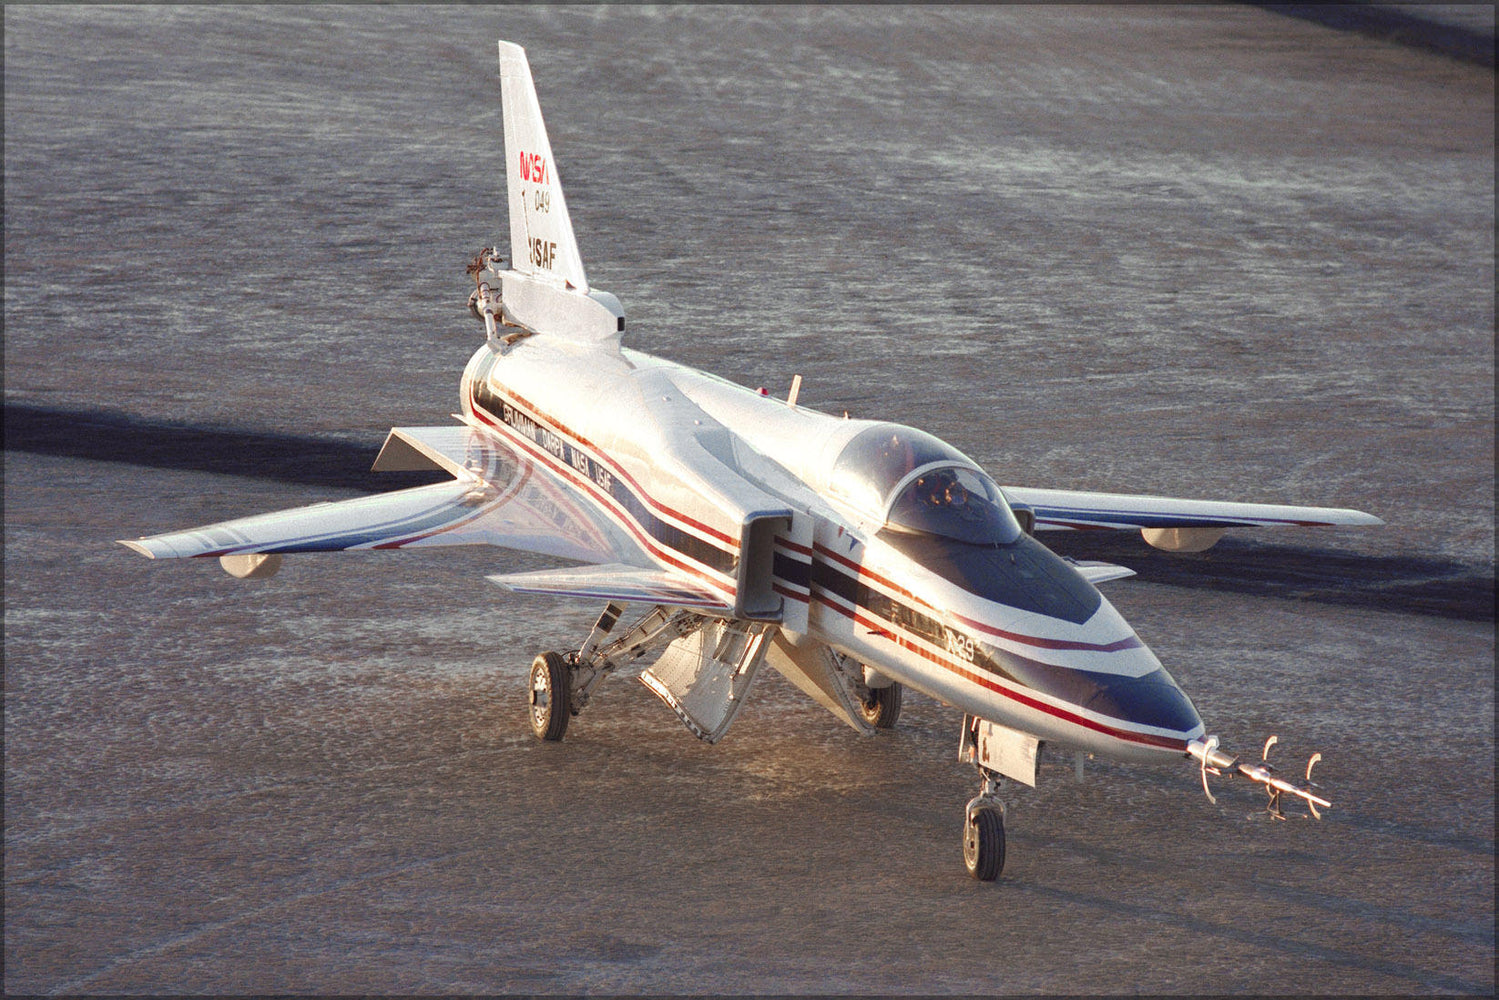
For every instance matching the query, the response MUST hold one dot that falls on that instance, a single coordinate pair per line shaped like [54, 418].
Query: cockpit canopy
[911, 480]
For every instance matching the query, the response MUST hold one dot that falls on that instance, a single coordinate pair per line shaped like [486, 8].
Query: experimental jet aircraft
[856, 557]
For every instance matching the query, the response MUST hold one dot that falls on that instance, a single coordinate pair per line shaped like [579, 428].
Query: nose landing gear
[997, 753]
[984, 830]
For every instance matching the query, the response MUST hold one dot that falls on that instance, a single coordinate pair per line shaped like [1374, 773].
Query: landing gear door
[1007, 752]
[832, 680]
[705, 676]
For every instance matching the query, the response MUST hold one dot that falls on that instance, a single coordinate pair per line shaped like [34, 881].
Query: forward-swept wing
[1171, 523]
[498, 496]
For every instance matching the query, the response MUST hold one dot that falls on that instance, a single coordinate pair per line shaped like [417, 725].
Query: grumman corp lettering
[522, 423]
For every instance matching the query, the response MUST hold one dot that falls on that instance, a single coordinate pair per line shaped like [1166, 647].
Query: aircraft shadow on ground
[1426, 586]
[1439, 587]
[1405, 24]
[115, 437]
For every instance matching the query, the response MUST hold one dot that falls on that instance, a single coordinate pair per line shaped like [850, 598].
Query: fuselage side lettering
[959, 645]
[487, 400]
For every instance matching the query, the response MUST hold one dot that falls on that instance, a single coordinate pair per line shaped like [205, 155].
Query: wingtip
[1343, 517]
[135, 546]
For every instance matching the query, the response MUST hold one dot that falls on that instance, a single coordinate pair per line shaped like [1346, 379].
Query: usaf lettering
[543, 252]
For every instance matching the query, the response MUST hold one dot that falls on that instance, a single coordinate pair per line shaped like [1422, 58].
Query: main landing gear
[560, 685]
[551, 696]
[880, 706]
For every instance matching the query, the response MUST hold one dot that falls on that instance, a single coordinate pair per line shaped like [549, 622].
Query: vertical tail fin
[544, 287]
[541, 234]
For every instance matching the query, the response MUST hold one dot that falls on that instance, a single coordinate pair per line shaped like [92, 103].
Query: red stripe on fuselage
[786, 591]
[896, 635]
[791, 546]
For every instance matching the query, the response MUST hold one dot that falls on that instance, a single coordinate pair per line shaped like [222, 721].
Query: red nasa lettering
[533, 168]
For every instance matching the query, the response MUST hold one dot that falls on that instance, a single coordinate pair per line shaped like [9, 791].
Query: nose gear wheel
[984, 843]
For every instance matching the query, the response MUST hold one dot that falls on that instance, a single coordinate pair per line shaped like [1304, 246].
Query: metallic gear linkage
[596, 659]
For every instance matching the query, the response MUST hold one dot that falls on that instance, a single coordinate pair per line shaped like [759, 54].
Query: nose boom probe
[1215, 761]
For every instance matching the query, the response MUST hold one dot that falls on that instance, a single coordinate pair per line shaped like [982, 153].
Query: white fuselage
[682, 460]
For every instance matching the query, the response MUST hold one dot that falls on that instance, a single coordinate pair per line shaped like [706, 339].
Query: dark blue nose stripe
[1151, 700]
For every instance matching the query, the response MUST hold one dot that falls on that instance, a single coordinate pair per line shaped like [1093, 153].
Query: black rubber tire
[883, 707]
[549, 692]
[984, 845]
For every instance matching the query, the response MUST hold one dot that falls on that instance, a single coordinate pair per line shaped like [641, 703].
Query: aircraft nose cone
[1151, 700]
[1148, 699]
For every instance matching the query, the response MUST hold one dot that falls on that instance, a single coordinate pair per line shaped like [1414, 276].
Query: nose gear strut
[989, 747]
